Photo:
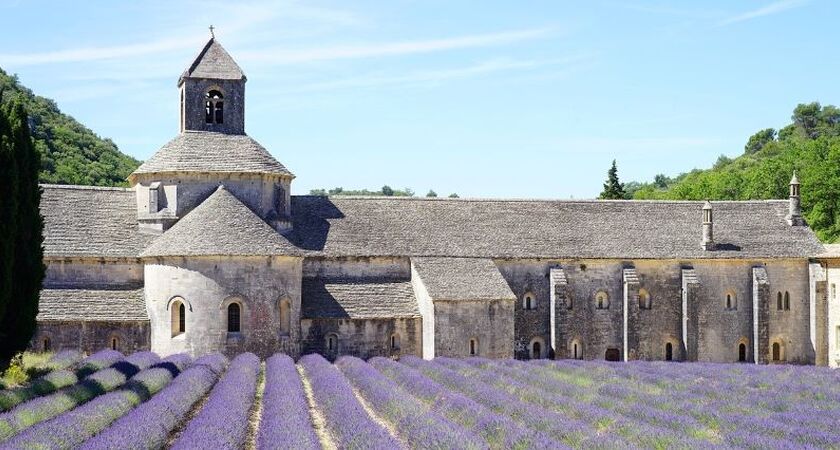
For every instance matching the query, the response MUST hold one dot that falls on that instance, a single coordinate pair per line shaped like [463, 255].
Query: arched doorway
[742, 352]
[669, 352]
[612, 354]
[536, 350]
[777, 352]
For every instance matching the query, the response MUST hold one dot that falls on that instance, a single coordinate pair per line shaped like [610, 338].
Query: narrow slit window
[234, 318]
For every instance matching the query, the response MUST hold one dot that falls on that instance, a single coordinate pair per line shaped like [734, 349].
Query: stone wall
[716, 330]
[93, 274]
[357, 267]
[207, 286]
[267, 195]
[91, 337]
[491, 323]
[833, 313]
[363, 338]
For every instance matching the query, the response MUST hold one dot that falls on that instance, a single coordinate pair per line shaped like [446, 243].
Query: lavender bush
[348, 423]
[285, 421]
[97, 362]
[418, 426]
[148, 426]
[59, 377]
[223, 421]
[72, 428]
[47, 407]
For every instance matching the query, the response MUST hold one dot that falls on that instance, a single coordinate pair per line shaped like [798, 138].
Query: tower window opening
[214, 107]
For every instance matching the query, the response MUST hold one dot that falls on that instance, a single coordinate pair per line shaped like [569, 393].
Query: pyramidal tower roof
[213, 62]
[221, 226]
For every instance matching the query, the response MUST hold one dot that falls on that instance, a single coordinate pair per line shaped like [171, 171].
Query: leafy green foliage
[811, 145]
[22, 251]
[613, 189]
[70, 152]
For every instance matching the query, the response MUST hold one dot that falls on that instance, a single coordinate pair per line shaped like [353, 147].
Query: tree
[613, 189]
[17, 323]
[431, 193]
[759, 140]
[660, 181]
[453, 195]
[387, 191]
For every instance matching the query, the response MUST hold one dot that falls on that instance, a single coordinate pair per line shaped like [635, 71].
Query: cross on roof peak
[212, 34]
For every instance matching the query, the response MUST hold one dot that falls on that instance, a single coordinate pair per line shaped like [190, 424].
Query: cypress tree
[8, 209]
[613, 189]
[17, 323]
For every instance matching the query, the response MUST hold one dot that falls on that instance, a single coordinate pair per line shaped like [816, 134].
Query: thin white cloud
[772, 8]
[281, 56]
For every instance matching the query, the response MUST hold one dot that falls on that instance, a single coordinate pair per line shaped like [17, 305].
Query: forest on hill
[810, 145]
[70, 152]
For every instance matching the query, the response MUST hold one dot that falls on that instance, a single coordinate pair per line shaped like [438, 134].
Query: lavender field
[112, 401]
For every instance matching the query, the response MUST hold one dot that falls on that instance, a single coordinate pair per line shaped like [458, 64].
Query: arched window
[332, 343]
[787, 301]
[779, 301]
[214, 107]
[644, 299]
[669, 352]
[234, 318]
[178, 317]
[395, 341]
[602, 300]
[285, 317]
[577, 350]
[731, 301]
[742, 352]
[115, 343]
[473, 347]
[529, 301]
[47, 344]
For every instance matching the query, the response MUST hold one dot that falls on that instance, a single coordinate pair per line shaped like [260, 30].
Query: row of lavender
[144, 402]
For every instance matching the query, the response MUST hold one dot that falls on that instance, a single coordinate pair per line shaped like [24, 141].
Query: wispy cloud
[772, 8]
[284, 56]
[434, 77]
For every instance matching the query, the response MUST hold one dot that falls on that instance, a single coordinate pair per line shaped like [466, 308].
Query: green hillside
[810, 144]
[70, 152]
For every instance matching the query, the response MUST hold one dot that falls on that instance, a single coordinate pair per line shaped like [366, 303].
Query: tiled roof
[830, 251]
[462, 279]
[369, 298]
[85, 221]
[220, 226]
[213, 62]
[347, 226]
[205, 151]
[92, 305]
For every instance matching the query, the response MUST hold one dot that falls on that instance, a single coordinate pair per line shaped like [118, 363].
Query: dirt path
[256, 412]
[379, 420]
[318, 420]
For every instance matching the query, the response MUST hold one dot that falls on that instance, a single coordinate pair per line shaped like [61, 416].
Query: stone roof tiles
[220, 226]
[213, 62]
[830, 251]
[208, 152]
[462, 279]
[347, 226]
[86, 221]
[368, 298]
[88, 305]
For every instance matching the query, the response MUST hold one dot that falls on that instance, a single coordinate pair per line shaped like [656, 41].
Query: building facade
[208, 251]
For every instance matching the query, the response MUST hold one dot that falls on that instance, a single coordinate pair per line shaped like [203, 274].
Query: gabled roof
[618, 229]
[88, 221]
[220, 226]
[368, 298]
[92, 305]
[462, 279]
[204, 151]
[213, 62]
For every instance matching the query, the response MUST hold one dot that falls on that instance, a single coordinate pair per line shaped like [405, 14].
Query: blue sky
[526, 99]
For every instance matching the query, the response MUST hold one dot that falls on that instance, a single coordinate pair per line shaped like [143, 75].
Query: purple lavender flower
[418, 426]
[348, 423]
[223, 421]
[148, 426]
[285, 419]
[72, 428]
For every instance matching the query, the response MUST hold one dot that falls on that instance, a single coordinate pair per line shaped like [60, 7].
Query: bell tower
[212, 91]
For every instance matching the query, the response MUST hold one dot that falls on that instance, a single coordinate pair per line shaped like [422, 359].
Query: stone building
[209, 251]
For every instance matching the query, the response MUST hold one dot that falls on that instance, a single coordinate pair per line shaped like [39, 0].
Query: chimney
[794, 217]
[708, 233]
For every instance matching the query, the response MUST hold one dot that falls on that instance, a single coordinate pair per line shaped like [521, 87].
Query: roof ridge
[85, 188]
[536, 200]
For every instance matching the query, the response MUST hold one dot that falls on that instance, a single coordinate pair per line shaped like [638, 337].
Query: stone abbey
[209, 251]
